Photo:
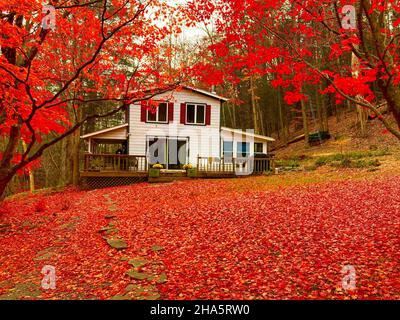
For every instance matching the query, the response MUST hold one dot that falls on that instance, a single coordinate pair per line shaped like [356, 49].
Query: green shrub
[367, 163]
[311, 168]
[359, 164]
[346, 163]
[343, 158]
[321, 162]
[288, 163]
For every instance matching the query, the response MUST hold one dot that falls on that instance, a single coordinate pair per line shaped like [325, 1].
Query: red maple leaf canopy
[58, 57]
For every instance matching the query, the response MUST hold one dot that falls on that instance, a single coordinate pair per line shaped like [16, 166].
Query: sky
[191, 34]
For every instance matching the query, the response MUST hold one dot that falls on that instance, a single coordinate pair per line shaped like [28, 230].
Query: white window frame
[248, 153]
[157, 114]
[196, 105]
[223, 147]
[261, 143]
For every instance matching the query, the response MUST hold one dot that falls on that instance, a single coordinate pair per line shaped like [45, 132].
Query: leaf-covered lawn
[232, 239]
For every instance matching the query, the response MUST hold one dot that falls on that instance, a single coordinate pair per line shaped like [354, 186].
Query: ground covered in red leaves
[205, 240]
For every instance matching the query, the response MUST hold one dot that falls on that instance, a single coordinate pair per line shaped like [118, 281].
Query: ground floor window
[258, 148]
[243, 149]
[228, 150]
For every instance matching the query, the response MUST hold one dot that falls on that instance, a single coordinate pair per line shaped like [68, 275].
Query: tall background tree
[322, 57]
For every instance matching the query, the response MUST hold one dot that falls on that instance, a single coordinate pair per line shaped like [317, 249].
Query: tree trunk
[9, 152]
[361, 112]
[30, 172]
[283, 124]
[254, 105]
[305, 123]
[5, 178]
[75, 158]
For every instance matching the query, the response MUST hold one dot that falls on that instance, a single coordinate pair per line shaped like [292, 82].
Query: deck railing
[125, 163]
[210, 164]
[115, 163]
[239, 166]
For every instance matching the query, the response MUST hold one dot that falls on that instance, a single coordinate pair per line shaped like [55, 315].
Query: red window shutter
[183, 113]
[208, 115]
[143, 113]
[170, 112]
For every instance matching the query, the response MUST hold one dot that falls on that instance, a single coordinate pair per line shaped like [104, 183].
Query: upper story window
[160, 115]
[157, 112]
[196, 114]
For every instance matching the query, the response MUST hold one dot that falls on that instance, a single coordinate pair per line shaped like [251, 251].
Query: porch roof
[206, 93]
[248, 134]
[115, 133]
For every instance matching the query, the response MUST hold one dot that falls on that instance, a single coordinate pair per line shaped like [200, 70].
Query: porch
[109, 170]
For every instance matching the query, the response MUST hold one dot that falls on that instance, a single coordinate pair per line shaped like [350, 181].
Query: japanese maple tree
[67, 54]
[291, 40]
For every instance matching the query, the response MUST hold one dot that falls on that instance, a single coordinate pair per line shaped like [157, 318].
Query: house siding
[235, 138]
[203, 140]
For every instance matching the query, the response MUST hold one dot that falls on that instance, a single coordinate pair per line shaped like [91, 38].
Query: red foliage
[221, 240]
[40, 206]
[43, 77]
[290, 41]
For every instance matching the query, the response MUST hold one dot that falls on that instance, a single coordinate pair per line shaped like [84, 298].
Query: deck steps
[167, 179]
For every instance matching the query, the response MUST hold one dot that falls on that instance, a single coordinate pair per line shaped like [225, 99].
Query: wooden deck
[91, 174]
[101, 170]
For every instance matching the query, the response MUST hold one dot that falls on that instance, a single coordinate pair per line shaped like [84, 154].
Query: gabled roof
[206, 93]
[244, 133]
[93, 134]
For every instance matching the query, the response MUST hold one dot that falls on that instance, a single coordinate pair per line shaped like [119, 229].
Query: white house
[178, 128]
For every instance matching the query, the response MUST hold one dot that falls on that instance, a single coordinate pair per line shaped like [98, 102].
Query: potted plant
[190, 171]
[154, 171]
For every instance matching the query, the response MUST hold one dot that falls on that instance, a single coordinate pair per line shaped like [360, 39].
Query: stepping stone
[118, 244]
[138, 292]
[112, 231]
[120, 297]
[132, 287]
[157, 248]
[68, 226]
[162, 278]
[22, 290]
[138, 262]
[138, 275]
[45, 254]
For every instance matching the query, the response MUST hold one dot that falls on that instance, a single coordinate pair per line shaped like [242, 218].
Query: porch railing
[210, 164]
[113, 162]
[240, 166]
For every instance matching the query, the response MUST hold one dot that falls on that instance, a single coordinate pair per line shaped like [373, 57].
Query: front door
[157, 151]
[172, 153]
[177, 153]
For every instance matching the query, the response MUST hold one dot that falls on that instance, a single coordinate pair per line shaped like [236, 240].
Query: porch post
[90, 146]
